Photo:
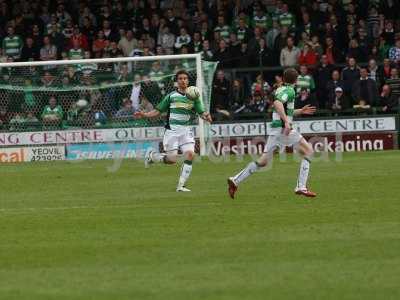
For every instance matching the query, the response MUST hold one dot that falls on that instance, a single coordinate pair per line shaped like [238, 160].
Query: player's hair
[180, 72]
[290, 76]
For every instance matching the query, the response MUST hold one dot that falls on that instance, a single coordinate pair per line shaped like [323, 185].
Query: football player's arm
[160, 108]
[151, 114]
[280, 110]
[206, 116]
[199, 108]
[306, 110]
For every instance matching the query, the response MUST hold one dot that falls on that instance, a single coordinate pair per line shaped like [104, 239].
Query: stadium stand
[350, 50]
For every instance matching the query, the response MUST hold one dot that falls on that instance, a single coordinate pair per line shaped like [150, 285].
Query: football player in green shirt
[181, 112]
[281, 135]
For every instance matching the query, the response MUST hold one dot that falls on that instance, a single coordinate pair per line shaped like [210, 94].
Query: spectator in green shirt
[383, 48]
[286, 18]
[12, 44]
[76, 52]
[305, 81]
[52, 114]
[261, 19]
[243, 32]
[222, 28]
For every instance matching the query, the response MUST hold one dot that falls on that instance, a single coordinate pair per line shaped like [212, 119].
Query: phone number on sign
[46, 157]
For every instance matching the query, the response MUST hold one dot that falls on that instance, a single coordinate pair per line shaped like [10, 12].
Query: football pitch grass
[80, 231]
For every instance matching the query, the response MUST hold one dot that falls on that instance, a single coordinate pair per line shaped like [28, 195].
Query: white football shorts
[179, 138]
[281, 140]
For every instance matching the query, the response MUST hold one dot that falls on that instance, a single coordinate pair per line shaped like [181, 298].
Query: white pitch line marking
[128, 206]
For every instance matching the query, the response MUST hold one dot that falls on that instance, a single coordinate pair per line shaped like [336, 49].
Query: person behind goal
[181, 112]
[281, 135]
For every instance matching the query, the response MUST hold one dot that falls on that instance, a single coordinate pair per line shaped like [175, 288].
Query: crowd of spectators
[347, 51]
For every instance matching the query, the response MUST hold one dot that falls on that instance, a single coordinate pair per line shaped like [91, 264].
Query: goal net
[95, 93]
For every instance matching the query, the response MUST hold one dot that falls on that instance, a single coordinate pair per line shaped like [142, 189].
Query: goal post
[96, 93]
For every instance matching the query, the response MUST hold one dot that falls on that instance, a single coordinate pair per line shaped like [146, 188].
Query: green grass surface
[79, 231]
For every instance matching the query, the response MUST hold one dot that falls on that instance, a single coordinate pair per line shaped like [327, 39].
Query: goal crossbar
[99, 60]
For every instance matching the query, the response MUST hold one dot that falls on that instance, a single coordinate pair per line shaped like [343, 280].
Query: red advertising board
[321, 143]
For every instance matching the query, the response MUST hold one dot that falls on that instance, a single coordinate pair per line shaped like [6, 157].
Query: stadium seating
[252, 40]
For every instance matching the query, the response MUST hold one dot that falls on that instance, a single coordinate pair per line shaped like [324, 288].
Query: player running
[282, 135]
[181, 111]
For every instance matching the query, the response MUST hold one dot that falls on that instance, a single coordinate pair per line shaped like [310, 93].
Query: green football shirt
[55, 111]
[76, 53]
[224, 31]
[264, 22]
[12, 46]
[305, 82]
[286, 19]
[285, 94]
[181, 110]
